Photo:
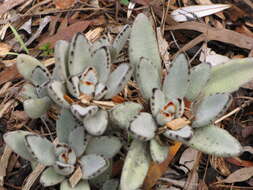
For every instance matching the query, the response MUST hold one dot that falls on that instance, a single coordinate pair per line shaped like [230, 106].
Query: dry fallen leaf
[242, 174]
[4, 49]
[60, 4]
[66, 34]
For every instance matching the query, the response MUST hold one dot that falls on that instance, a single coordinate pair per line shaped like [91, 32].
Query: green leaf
[158, 152]
[120, 41]
[81, 112]
[147, 77]
[82, 185]
[28, 91]
[19, 39]
[107, 146]
[228, 77]
[96, 124]
[143, 126]
[79, 54]
[157, 101]
[183, 134]
[16, 141]
[76, 140]
[135, 166]
[209, 108]
[63, 168]
[41, 148]
[143, 42]
[102, 62]
[37, 107]
[176, 81]
[56, 90]
[40, 76]
[118, 79]
[216, 141]
[64, 125]
[26, 64]
[111, 184]
[93, 165]
[49, 177]
[61, 58]
[122, 114]
[198, 79]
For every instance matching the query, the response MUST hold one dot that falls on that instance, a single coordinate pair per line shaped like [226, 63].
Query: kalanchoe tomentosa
[82, 77]
[72, 150]
[167, 105]
[84, 71]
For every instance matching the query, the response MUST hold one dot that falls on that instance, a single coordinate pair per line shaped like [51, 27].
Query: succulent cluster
[180, 105]
[73, 149]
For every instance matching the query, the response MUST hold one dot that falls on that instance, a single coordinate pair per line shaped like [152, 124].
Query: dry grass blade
[4, 163]
[33, 176]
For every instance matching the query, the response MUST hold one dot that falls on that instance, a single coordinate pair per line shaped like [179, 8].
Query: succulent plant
[37, 101]
[73, 149]
[84, 72]
[204, 88]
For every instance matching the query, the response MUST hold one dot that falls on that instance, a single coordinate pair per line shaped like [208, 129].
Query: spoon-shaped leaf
[26, 64]
[143, 43]
[56, 90]
[102, 62]
[40, 76]
[120, 41]
[198, 79]
[93, 165]
[143, 126]
[107, 146]
[147, 77]
[96, 124]
[28, 91]
[76, 140]
[210, 108]
[216, 141]
[100, 92]
[183, 134]
[176, 81]
[63, 168]
[122, 114]
[118, 79]
[65, 124]
[88, 81]
[49, 177]
[135, 166]
[41, 148]
[229, 76]
[157, 101]
[61, 59]
[79, 54]
[37, 107]
[83, 113]
[16, 141]
[158, 152]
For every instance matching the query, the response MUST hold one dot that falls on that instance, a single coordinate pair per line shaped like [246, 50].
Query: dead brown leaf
[217, 34]
[60, 4]
[242, 174]
[9, 74]
[157, 170]
[142, 2]
[66, 34]
[4, 49]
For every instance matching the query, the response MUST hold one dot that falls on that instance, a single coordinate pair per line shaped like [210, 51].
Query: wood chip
[178, 123]
[76, 177]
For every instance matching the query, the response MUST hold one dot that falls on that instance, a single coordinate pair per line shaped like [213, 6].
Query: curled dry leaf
[242, 174]
[60, 4]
